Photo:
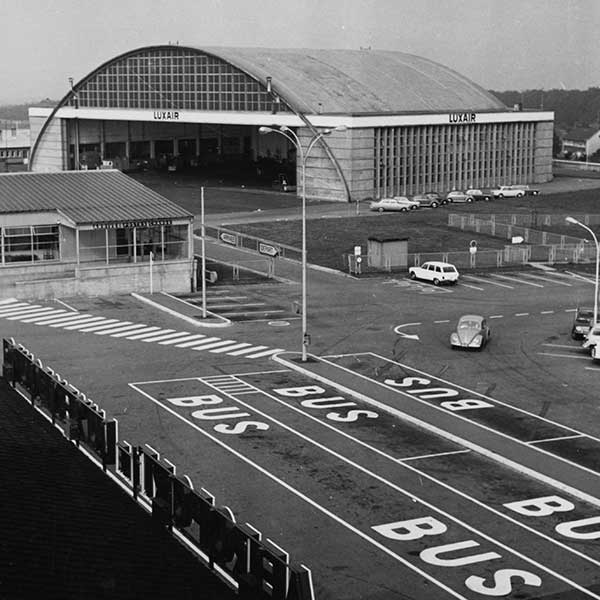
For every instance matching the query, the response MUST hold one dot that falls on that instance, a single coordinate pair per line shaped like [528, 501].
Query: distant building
[400, 124]
[15, 143]
[581, 142]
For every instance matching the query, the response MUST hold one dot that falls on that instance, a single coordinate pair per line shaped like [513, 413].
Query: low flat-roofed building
[92, 233]
[15, 143]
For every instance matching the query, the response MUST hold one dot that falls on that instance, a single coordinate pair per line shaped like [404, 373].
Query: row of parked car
[586, 330]
[434, 199]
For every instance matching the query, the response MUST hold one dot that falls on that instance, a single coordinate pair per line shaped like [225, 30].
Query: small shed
[387, 252]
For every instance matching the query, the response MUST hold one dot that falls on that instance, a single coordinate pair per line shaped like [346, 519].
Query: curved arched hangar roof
[360, 81]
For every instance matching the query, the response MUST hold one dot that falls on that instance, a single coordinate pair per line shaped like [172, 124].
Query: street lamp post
[293, 138]
[576, 222]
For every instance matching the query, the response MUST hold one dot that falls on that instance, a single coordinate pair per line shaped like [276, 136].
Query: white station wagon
[435, 271]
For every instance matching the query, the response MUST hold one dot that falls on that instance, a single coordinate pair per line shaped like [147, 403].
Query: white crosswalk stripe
[72, 320]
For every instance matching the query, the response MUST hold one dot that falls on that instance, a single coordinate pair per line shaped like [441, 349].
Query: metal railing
[256, 244]
[236, 553]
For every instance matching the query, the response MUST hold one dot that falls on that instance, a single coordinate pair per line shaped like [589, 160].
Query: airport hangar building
[404, 124]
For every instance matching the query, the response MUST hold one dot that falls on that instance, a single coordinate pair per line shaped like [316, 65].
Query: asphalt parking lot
[335, 479]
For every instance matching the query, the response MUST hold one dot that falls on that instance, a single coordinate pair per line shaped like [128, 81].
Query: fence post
[498, 258]
[493, 219]
[562, 241]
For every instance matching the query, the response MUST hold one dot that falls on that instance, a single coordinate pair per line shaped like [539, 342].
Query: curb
[174, 313]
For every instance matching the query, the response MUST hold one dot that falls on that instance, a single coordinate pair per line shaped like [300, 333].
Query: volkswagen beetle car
[401, 203]
[427, 200]
[581, 325]
[435, 271]
[472, 331]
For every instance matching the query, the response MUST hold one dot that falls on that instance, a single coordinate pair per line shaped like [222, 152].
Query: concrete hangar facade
[404, 124]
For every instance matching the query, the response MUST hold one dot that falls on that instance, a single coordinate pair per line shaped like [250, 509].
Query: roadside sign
[228, 238]
[517, 239]
[357, 250]
[268, 249]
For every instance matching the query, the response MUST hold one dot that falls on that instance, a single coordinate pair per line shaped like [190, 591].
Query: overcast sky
[499, 44]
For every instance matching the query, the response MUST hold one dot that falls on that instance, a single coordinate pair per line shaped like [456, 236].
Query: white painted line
[249, 312]
[217, 344]
[19, 308]
[575, 356]
[549, 279]
[44, 320]
[247, 350]
[521, 314]
[163, 336]
[194, 342]
[36, 312]
[558, 439]
[102, 325]
[547, 312]
[496, 317]
[121, 328]
[140, 334]
[592, 368]
[483, 280]
[473, 287]
[185, 338]
[228, 348]
[113, 327]
[80, 325]
[403, 460]
[65, 304]
[66, 320]
[570, 310]
[237, 305]
[562, 346]
[82, 320]
[518, 280]
[139, 328]
[581, 277]
[157, 333]
[444, 321]
[266, 353]
[226, 298]
[8, 301]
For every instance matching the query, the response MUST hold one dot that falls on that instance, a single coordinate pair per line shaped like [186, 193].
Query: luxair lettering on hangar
[466, 117]
[166, 115]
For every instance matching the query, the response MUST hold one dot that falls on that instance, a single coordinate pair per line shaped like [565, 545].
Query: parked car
[436, 196]
[508, 191]
[477, 194]
[401, 203]
[584, 318]
[592, 337]
[472, 331]
[528, 190]
[457, 196]
[435, 271]
[427, 200]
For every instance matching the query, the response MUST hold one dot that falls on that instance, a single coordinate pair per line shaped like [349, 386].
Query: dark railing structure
[257, 569]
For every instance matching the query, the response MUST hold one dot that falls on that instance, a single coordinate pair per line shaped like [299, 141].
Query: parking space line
[496, 317]
[557, 439]
[473, 287]
[547, 312]
[555, 281]
[436, 455]
[561, 345]
[521, 314]
[564, 355]
[483, 280]
[517, 280]
[443, 321]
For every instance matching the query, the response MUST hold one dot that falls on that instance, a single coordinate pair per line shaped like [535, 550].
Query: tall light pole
[293, 138]
[576, 222]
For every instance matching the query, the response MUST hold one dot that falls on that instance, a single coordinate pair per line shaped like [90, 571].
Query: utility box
[387, 253]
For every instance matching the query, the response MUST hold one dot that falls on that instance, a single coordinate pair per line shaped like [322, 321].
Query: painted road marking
[436, 455]
[384, 481]
[561, 345]
[551, 280]
[507, 278]
[483, 280]
[558, 439]
[467, 285]
[496, 316]
[547, 312]
[521, 314]
[86, 323]
[564, 356]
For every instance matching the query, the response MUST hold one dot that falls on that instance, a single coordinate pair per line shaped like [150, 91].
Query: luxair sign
[462, 117]
[165, 115]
